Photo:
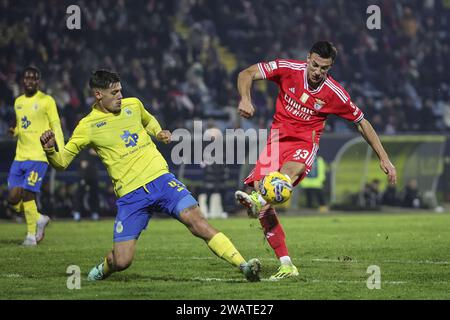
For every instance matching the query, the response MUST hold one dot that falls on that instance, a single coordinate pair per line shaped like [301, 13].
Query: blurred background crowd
[181, 57]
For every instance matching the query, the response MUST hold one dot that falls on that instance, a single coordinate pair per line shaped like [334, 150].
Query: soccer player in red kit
[307, 95]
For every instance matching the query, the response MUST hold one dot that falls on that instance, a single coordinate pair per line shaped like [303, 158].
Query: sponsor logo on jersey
[100, 124]
[298, 110]
[292, 90]
[25, 122]
[130, 139]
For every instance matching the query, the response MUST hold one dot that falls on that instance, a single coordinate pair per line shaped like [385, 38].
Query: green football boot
[285, 271]
[250, 201]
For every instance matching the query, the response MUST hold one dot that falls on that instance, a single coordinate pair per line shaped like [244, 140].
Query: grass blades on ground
[333, 253]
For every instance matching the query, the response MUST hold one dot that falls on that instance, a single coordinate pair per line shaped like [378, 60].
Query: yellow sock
[31, 215]
[18, 207]
[224, 249]
[106, 269]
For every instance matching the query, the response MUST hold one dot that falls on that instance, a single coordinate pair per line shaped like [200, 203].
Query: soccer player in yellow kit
[119, 130]
[35, 113]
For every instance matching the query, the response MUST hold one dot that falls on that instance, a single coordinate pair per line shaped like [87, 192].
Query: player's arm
[61, 159]
[369, 134]
[349, 111]
[13, 131]
[153, 127]
[244, 84]
[55, 123]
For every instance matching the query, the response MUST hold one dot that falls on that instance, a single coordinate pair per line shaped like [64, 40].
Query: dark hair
[103, 79]
[32, 69]
[324, 49]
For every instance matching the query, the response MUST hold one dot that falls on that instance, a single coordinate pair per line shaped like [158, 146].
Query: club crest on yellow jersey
[130, 139]
[25, 122]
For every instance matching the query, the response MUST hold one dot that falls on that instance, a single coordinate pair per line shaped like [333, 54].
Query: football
[276, 188]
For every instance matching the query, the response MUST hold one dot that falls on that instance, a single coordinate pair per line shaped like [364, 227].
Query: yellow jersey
[122, 142]
[34, 115]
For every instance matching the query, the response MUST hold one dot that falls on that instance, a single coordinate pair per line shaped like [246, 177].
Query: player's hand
[11, 131]
[48, 139]
[246, 109]
[389, 169]
[164, 136]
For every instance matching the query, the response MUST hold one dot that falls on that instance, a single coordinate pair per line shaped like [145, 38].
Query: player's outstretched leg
[119, 259]
[219, 243]
[274, 233]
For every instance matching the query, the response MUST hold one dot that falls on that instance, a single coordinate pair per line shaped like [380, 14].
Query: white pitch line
[329, 260]
[10, 275]
[356, 281]
[227, 280]
[311, 281]
[210, 258]
[386, 261]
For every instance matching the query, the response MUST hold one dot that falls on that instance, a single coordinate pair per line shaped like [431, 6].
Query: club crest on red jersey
[319, 104]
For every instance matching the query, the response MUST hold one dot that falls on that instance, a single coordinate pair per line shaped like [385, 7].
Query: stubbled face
[317, 68]
[110, 99]
[30, 82]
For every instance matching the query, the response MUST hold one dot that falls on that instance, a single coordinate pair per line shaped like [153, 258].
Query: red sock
[274, 232]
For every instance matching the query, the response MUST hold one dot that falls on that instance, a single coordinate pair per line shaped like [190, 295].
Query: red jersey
[301, 109]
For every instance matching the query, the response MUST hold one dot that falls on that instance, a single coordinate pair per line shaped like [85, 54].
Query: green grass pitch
[333, 253]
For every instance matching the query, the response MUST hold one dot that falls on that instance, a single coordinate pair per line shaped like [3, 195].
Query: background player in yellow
[119, 130]
[36, 112]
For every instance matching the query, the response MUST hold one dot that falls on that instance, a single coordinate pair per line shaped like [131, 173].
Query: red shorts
[282, 148]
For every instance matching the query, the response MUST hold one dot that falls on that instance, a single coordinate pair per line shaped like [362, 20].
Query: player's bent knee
[14, 196]
[123, 254]
[190, 215]
[120, 265]
[13, 200]
[122, 262]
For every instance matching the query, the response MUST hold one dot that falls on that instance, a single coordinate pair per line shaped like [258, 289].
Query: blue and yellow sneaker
[250, 201]
[251, 270]
[96, 273]
[285, 271]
